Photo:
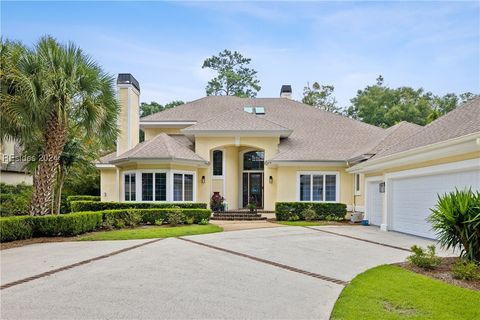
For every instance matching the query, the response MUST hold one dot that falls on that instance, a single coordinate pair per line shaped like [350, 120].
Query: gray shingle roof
[161, 147]
[237, 120]
[459, 122]
[390, 136]
[317, 135]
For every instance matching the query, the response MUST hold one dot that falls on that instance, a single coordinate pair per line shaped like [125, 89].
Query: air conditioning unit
[356, 217]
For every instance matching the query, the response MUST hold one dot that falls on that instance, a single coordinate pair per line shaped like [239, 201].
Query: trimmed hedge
[16, 228]
[25, 227]
[284, 211]
[79, 206]
[70, 199]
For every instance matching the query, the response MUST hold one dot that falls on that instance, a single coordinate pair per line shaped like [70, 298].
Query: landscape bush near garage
[80, 206]
[25, 227]
[290, 211]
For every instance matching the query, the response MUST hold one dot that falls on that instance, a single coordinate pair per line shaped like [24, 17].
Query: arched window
[217, 162]
[253, 160]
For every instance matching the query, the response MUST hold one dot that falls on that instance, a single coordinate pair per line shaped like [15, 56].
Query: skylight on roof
[259, 110]
[248, 109]
[254, 110]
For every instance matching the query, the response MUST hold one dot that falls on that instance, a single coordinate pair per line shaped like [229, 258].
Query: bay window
[167, 185]
[318, 186]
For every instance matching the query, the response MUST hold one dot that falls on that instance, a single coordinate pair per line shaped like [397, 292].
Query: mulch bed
[21, 243]
[443, 273]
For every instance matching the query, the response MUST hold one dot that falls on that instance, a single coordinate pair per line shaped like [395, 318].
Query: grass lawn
[152, 232]
[390, 292]
[302, 223]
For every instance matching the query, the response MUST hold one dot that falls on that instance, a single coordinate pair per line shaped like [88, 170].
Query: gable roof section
[161, 147]
[238, 121]
[459, 122]
[317, 135]
[391, 136]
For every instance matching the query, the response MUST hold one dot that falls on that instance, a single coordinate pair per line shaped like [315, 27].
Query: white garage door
[412, 198]
[374, 203]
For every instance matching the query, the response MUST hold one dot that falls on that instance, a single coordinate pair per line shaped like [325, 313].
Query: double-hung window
[130, 185]
[318, 186]
[182, 187]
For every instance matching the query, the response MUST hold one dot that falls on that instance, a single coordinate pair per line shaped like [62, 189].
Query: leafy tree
[321, 97]
[147, 109]
[384, 107]
[46, 90]
[234, 77]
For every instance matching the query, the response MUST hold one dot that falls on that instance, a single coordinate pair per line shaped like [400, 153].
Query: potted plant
[217, 202]
[252, 206]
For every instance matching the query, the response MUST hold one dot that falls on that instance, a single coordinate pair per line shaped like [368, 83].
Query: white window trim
[170, 173]
[358, 191]
[337, 185]
[219, 177]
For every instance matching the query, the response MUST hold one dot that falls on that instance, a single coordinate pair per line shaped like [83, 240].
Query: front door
[253, 188]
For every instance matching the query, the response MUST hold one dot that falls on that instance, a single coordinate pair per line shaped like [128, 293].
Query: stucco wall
[108, 185]
[152, 132]
[128, 115]
[287, 183]
[14, 178]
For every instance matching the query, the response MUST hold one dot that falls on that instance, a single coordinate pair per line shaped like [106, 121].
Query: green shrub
[285, 210]
[331, 217]
[309, 214]
[158, 222]
[466, 270]
[425, 259]
[456, 221]
[66, 224]
[78, 206]
[14, 200]
[189, 220]
[149, 216]
[70, 199]
[203, 222]
[15, 228]
[176, 217]
[121, 218]
[293, 217]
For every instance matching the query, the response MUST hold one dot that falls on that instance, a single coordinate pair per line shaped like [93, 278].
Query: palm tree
[45, 91]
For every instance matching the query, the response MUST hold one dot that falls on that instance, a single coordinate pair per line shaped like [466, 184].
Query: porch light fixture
[203, 179]
[270, 179]
[382, 187]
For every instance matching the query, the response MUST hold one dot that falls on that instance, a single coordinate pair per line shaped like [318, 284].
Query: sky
[433, 45]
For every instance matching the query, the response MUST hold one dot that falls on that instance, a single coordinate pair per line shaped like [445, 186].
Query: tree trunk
[58, 195]
[44, 176]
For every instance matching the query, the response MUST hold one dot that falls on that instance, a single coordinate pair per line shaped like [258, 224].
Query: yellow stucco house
[276, 149]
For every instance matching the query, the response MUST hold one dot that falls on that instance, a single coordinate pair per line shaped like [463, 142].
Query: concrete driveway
[274, 273]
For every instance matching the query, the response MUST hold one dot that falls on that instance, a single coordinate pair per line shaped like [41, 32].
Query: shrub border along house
[80, 206]
[291, 211]
[25, 227]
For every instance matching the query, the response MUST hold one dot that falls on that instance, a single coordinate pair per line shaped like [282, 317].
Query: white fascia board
[464, 165]
[452, 147]
[166, 124]
[280, 163]
[236, 133]
[198, 163]
[104, 165]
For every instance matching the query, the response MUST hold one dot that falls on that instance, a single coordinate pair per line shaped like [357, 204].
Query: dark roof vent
[127, 78]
